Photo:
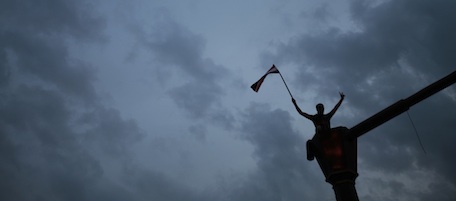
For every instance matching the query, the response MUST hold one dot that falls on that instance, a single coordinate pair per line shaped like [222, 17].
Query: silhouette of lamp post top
[336, 148]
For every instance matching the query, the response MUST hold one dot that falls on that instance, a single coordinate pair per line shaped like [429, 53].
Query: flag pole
[285, 84]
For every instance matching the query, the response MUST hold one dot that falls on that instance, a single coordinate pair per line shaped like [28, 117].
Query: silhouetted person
[320, 120]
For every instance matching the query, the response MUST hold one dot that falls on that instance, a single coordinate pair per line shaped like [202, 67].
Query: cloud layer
[61, 139]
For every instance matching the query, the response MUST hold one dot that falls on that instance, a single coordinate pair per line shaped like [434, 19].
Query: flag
[256, 86]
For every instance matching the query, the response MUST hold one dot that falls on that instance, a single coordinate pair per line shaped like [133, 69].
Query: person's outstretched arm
[333, 111]
[299, 109]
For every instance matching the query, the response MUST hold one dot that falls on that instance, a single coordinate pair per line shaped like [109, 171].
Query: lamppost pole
[336, 150]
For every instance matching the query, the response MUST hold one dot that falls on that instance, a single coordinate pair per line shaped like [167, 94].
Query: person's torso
[321, 121]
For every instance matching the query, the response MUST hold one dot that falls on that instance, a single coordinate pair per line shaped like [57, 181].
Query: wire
[416, 132]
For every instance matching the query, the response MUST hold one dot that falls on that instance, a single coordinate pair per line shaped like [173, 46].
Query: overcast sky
[151, 100]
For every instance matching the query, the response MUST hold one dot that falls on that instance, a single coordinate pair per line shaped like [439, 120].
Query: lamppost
[336, 151]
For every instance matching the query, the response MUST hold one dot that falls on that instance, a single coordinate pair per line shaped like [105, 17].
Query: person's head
[320, 108]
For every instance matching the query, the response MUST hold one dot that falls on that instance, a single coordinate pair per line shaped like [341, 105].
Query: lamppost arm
[401, 106]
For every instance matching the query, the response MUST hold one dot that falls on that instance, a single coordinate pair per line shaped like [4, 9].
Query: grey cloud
[58, 141]
[196, 97]
[418, 28]
[41, 58]
[41, 150]
[150, 185]
[177, 46]
[50, 16]
[199, 131]
[106, 129]
[443, 192]
[174, 47]
[416, 33]
[32, 39]
[179, 52]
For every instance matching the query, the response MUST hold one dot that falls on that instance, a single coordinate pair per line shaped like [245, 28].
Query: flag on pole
[256, 86]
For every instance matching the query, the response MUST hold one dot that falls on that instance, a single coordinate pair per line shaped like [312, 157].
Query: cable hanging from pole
[416, 132]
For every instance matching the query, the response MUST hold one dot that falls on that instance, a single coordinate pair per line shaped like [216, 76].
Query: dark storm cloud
[28, 52]
[55, 133]
[50, 16]
[418, 29]
[415, 32]
[400, 47]
[29, 42]
[282, 172]
[155, 186]
[42, 159]
[178, 55]
[107, 130]
[195, 97]
[41, 151]
[174, 47]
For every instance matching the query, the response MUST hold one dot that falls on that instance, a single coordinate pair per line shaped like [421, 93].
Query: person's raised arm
[299, 109]
[333, 111]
